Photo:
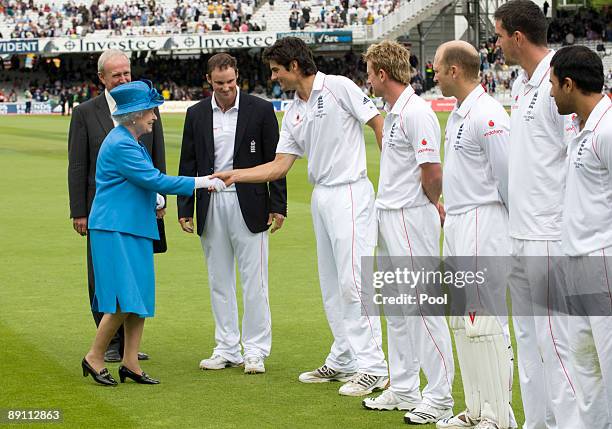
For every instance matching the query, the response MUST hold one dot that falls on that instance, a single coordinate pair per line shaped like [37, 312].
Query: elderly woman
[122, 227]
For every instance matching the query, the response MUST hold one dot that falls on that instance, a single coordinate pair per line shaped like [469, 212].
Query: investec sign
[23, 46]
[159, 43]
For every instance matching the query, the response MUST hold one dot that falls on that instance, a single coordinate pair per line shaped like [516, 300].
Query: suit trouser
[118, 339]
[227, 238]
[483, 232]
[590, 333]
[415, 339]
[345, 230]
[545, 371]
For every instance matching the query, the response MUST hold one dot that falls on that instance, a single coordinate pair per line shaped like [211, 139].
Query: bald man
[475, 189]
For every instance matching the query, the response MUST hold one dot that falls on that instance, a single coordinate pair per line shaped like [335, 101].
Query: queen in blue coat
[122, 227]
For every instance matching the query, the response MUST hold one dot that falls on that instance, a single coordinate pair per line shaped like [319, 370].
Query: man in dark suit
[89, 125]
[232, 129]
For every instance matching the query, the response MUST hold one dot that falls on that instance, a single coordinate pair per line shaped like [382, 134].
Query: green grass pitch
[46, 325]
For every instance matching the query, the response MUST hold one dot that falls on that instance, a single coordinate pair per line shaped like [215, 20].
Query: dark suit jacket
[90, 123]
[256, 123]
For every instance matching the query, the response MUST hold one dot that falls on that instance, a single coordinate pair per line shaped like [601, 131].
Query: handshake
[213, 184]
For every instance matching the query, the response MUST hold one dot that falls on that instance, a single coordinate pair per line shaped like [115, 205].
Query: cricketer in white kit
[324, 124]
[409, 228]
[475, 189]
[538, 147]
[577, 81]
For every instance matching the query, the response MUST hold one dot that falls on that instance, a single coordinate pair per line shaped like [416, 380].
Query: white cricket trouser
[483, 231]
[415, 339]
[590, 334]
[345, 229]
[226, 238]
[545, 372]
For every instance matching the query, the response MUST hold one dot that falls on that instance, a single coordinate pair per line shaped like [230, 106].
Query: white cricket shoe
[388, 400]
[486, 424]
[460, 421]
[254, 365]
[217, 362]
[362, 384]
[426, 414]
[324, 374]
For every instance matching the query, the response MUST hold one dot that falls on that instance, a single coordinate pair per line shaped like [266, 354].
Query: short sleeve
[602, 145]
[422, 129]
[354, 100]
[286, 141]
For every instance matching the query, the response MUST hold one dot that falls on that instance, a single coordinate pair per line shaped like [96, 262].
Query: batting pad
[469, 368]
[485, 362]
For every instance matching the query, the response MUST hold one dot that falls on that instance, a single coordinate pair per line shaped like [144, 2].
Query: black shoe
[143, 378]
[103, 377]
[112, 356]
[143, 356]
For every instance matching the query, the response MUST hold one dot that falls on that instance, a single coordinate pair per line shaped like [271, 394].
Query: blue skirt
[123, 273]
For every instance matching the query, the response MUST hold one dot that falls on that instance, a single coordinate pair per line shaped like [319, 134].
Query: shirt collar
[112, 104]
[401, 101]
[596, 115]
[236, 105]
[465, 107]
[317, 85]
[540, 72]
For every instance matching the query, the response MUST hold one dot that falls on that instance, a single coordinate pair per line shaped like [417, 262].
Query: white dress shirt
[112, 105]
[224, 134]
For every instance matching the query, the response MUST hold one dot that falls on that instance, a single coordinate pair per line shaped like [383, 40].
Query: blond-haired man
[408, 228]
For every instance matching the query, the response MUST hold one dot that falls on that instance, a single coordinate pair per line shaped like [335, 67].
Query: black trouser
[117, 341]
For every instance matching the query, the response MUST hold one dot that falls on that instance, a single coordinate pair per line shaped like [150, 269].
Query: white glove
[160, 202]
[207, 182]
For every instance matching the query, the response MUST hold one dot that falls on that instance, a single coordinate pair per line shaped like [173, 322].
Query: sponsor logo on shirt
[491, 123]
[493, 132]
[425, 149]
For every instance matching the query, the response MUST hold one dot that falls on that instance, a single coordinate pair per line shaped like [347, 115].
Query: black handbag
[160, 246]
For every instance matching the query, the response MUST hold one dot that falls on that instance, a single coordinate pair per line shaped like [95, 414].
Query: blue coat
[126, 187]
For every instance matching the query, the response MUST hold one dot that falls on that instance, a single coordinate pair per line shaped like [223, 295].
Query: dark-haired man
[232, 129]
[535, 196]
[577, 81]
[325, 124]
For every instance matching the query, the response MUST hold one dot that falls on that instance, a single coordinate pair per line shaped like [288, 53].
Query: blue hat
[136, 96]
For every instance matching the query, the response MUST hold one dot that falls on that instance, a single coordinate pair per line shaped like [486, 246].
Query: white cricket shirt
[328, 130]
[224, 134]
[587, 214]
[476, 154]
[411, 137]
[538, 153]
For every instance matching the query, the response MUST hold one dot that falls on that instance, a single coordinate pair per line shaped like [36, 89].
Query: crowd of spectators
[338, 13]
[73, 18]
[590, 24]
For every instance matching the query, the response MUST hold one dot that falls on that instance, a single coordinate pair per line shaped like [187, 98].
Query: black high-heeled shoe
[103, 377]
[125, 372]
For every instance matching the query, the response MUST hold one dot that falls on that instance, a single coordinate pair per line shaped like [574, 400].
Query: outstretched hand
[228, 177]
